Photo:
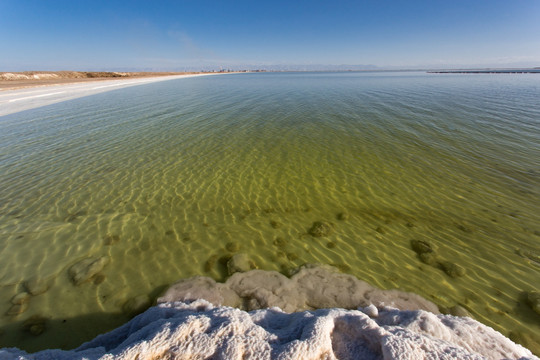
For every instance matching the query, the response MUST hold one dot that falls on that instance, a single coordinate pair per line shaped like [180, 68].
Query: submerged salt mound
[200, 330]
[312, 287]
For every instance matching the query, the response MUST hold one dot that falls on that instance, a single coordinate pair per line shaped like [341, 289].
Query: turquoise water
[167, 180]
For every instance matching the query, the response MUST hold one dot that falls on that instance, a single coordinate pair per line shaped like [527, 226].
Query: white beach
[13, 101]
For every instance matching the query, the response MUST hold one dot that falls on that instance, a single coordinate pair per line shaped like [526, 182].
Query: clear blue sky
[172, 35]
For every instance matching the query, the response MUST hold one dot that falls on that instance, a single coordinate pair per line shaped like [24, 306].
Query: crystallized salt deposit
[200, 330]
[312, 287]
[184, 326]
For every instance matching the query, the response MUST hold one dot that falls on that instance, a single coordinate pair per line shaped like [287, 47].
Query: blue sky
[178, 35]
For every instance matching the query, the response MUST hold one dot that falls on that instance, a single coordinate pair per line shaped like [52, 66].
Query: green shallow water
[167, 179]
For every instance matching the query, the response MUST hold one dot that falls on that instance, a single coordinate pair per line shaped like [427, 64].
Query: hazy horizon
[292, 68]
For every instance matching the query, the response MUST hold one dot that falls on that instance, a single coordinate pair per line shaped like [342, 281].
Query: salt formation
[185, 326]
[312, 287]
[200, 330]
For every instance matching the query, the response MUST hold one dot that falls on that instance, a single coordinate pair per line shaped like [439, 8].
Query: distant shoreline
[32, 79]
[487, 71]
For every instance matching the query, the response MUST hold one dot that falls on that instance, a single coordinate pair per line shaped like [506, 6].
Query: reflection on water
[109, 198]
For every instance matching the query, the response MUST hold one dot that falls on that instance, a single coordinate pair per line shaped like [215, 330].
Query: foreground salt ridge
[200, 330]
[184, 325]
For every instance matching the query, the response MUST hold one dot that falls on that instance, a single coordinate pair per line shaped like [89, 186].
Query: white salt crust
[185, 327]
[200, 330]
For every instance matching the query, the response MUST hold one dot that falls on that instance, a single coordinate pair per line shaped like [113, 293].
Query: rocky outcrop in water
[428, 256]
[321, 229]
[533, 299]
[240, 263]
[86, 269]
[37, 286]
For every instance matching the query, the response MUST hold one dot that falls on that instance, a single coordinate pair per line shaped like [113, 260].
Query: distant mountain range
[326, 67]
[307, 67]
[315, 67]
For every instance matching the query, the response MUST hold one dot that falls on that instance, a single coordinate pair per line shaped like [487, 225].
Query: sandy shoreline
[46, 92]
[31, 79]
